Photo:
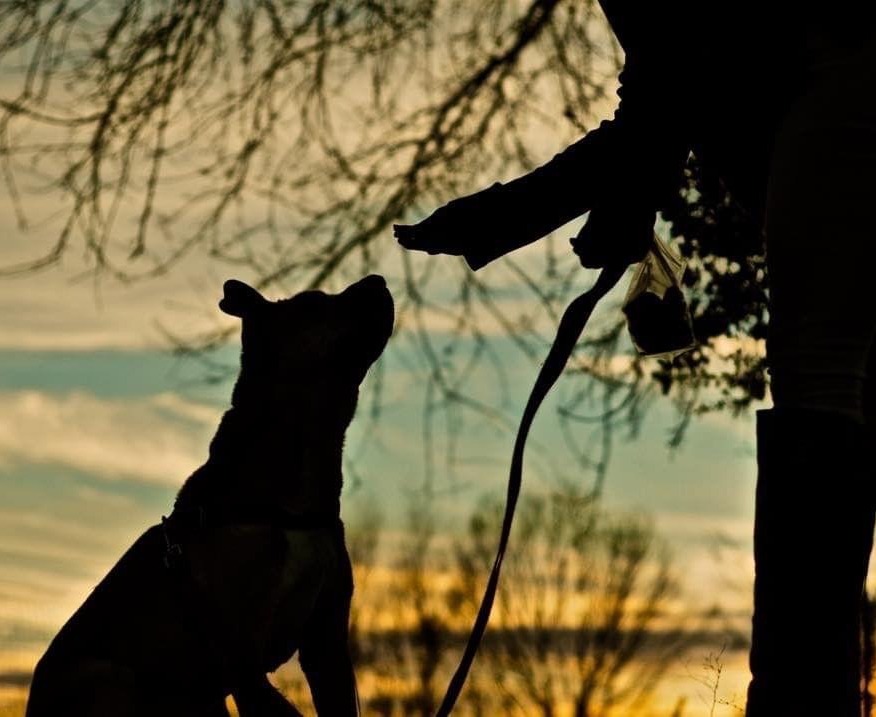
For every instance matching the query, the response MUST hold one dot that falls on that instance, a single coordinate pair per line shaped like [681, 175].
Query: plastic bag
[657, 314]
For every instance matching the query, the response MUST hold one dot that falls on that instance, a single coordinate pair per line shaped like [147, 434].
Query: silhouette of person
[779, 101]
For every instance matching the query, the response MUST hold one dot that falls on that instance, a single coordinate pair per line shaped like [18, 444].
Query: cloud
[50, 311]
[158, 439]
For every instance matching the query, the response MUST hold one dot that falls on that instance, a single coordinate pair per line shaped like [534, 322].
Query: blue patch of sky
[114, 374]
[711, 473]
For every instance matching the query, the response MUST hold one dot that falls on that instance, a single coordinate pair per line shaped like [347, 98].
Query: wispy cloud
[52, 311]
[158, 439]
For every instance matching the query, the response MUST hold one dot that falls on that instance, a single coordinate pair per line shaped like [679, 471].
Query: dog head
[312, 344]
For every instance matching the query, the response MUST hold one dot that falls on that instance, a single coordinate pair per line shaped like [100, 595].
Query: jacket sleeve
[632, 160]
[648, 134]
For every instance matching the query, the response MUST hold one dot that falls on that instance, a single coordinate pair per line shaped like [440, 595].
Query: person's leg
[813, 531]
[814, 512]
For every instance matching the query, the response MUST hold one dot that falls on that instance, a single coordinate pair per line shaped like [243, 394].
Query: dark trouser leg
[868, 636]
[813, 531]
[815, 507]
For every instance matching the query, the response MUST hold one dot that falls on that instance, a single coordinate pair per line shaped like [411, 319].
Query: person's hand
[614, 235]
[455, 227]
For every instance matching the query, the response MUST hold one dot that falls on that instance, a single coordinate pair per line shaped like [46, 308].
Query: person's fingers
[406, 235]
[590, 248]
[613, 236]
[419, 238]
[411, 235]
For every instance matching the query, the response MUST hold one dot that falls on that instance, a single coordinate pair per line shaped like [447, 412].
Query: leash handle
[572, 323]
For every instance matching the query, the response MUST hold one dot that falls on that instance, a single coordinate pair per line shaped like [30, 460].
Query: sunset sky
[100, 423]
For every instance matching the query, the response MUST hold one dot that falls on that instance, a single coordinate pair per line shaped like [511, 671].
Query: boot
[812, 538]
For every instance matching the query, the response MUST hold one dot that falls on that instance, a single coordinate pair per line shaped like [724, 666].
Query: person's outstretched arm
[621, 172]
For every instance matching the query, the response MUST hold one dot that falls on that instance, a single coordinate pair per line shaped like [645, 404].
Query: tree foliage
[577, 623]
[284, 137]
[583, 623]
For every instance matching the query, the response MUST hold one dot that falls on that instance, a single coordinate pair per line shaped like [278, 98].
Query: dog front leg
[259, 698]
[329, 670]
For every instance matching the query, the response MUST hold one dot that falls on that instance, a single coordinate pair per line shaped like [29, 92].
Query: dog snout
[371, 301]
[371, 282]
[371, 288]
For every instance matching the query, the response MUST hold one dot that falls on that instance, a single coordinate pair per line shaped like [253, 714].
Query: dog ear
[240, 299]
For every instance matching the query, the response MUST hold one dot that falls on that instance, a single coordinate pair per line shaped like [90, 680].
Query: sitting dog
[251, 565]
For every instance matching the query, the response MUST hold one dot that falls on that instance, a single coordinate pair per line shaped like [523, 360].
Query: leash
[572, 323]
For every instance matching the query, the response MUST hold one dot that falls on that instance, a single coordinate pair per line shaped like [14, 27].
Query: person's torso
[729, 69]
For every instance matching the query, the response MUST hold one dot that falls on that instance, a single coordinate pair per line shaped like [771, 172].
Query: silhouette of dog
[251, 565]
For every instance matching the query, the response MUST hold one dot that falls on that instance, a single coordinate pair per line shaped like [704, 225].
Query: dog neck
[264, 455]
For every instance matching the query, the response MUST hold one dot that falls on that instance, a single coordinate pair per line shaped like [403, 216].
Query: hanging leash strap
[571, 325]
